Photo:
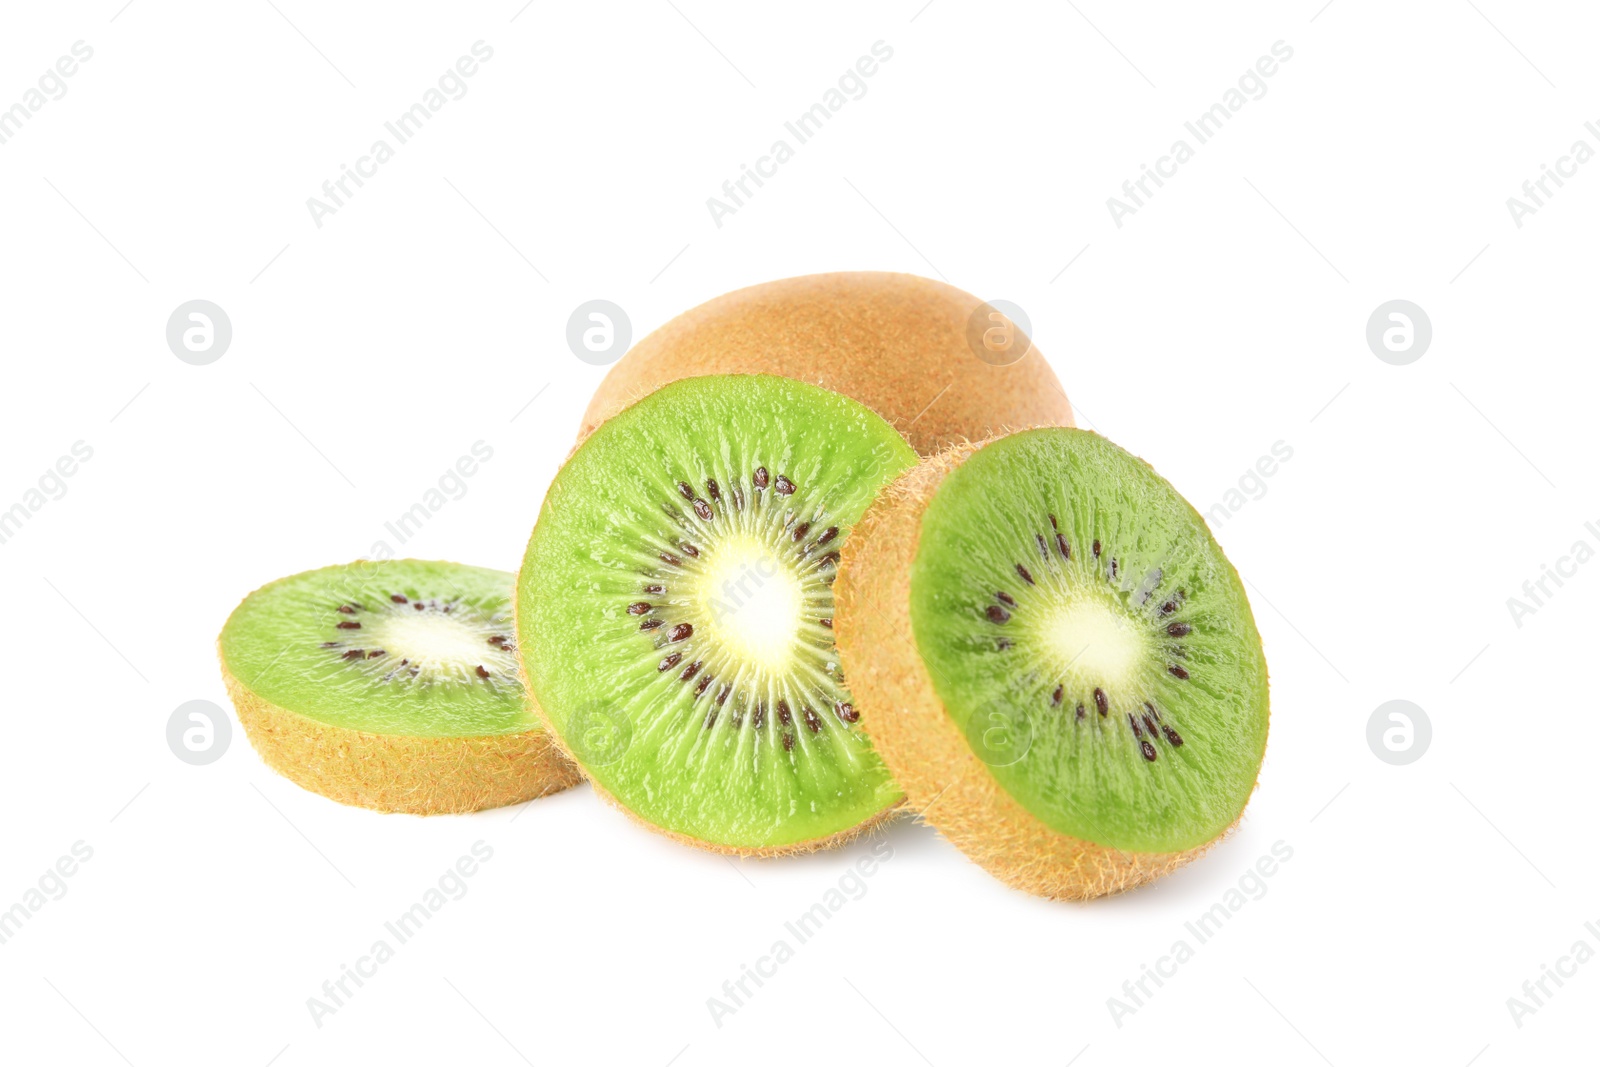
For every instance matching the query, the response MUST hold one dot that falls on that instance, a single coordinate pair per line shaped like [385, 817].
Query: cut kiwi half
[1054, 658]
[909, 348]
[675, 609]
[390, 685]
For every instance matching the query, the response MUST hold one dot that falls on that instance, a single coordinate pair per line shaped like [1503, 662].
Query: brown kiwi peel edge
[393, 773]
[945, 783]
[896, 343]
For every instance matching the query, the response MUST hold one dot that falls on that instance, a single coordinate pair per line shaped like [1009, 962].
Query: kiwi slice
[675, 611]
[904, 346]
[390, 685]
[1053, 656]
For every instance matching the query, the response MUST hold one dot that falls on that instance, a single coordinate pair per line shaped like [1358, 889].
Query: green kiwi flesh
[674, 610]
[407, 648]
[1068, 602]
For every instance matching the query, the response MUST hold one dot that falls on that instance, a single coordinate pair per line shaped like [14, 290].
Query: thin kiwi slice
[675, 611]
[390, 685]
[1050, 649]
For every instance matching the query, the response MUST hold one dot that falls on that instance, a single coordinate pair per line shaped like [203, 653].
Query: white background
[429, 313]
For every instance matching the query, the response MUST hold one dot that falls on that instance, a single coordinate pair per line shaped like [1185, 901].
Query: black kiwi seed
[690, 549]
[1080, 712]
[690, 671]
[846, 712]
[375, 653]
[684, 491]
[1135, 724]
[800, 531]
[482, 672]
[669, 558]
[349, 626]
[1178, 672]
[784, 485]
[760, 478]
[1113, 568]
[1150, 725]
[788, 742]
[996, 613]
[759, 719]
[640, 608]
[348, 609]
[680, 632]
[831, 557]
[783, 713]
[670, 662]
[711, 718]
[1171, 736]
[1063, 547]
[418, 605]
[1178, 629]
[1044, 553]
[1151, 708]
[825, 623]
[701, 688]
[355, 653]
[1023, 572]
[649, 624]
[1005, 598]
[1055, 698]
[654, 589]
[1097, 550]
[702, 509]
[828, 535]
[722, 695]
[1168, 608]
[1100, 703]
[398, 599]
[711, 487]
[813, 720]
[1149, 750]
[1053, 524]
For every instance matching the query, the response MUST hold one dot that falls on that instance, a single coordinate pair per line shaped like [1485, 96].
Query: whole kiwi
[895, 342]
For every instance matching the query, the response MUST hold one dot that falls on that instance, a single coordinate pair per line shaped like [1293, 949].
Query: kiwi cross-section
[1056, 661]
[391, 685]
[675, 610]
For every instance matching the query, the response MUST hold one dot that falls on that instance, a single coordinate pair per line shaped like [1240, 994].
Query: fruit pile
[795, 600]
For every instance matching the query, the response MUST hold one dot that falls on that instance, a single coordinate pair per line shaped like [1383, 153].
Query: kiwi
[390, 685]
[1055, 660]
[895, 342]
[674, 612]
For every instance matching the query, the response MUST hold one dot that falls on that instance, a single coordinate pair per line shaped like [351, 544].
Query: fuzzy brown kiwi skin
[894, 342]
[398, 774]
[919, 741]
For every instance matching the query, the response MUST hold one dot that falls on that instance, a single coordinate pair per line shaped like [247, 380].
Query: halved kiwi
[675, 611]
[390, 685]
[1054, 658]
[906, 347]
